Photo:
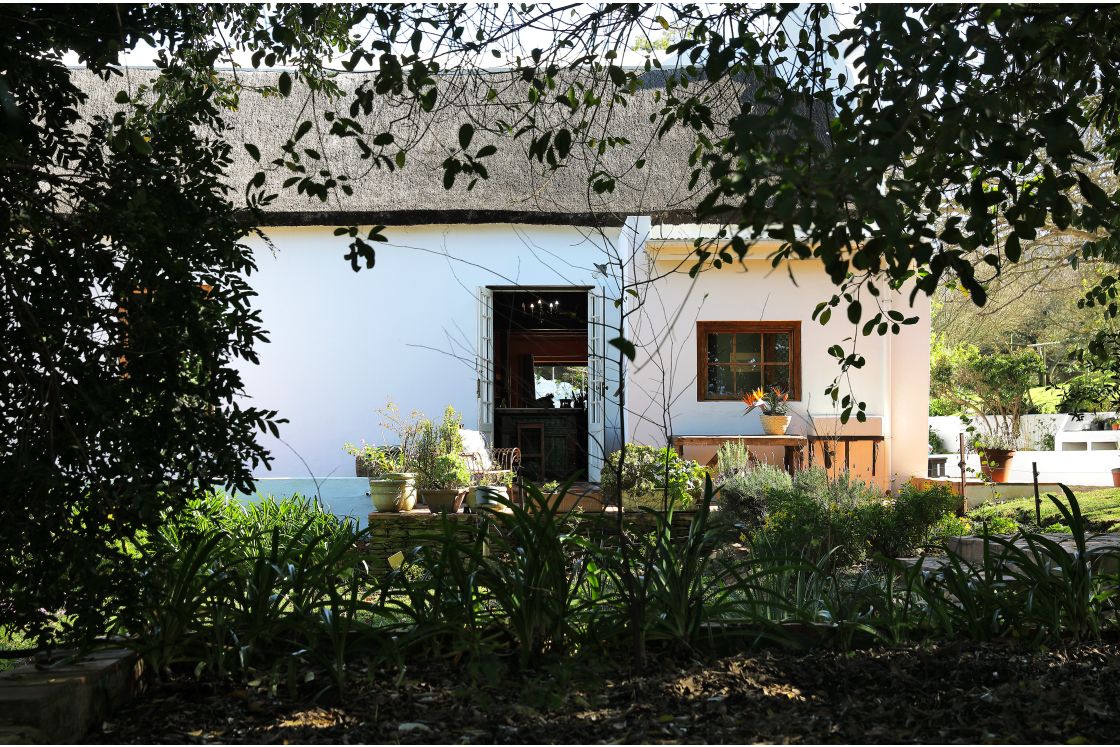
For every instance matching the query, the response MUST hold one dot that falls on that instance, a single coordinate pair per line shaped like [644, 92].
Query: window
[737, 357]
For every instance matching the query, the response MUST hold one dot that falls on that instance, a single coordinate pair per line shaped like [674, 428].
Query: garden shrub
[989, 518]
[733, 457]
[844, 518]
[743, 492]
[900, 527]
[950, 525]
[647, 469]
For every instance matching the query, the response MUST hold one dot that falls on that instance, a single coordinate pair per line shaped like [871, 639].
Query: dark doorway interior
[540, 379]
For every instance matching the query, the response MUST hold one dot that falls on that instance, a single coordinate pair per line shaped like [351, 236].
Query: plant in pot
[491, 492]
[444, 485]
[391, 486]
[564, 499]
[366, 458]
[651, 477]
[773, 403]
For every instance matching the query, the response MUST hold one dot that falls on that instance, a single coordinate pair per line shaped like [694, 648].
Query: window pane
[747, 379]
[720, 381]
[748, 348]
[562, 382]
[719, 348]
[777, 376]
[777, 348]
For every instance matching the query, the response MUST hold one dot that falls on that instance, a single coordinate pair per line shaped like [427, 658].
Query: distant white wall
[343, 343]
[1032, 427]
[661, 395]
[1070, 468]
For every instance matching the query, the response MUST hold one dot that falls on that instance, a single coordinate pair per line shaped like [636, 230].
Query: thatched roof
[518, 189]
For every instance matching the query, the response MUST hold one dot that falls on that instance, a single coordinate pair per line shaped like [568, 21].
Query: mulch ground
[952, 693]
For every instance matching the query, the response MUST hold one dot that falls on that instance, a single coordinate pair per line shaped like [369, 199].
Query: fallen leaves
[955, 693]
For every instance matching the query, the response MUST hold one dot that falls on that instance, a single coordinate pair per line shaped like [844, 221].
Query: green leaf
[254, 152]
[855, 311]
[285, 83]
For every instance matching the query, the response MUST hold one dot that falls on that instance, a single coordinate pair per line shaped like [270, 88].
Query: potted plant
[391, 487]
[774, 405]
[651, 477]
[492, 492]
[443, 487]
[569, 500]
[996, 451]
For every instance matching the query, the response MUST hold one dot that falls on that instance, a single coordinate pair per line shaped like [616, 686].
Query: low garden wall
[1088, 467]
[1069, 467]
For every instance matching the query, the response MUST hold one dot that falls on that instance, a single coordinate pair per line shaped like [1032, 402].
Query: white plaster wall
[907, 360]
[343, 343]
[1032, 427]
[1092, 468]
[662, 384]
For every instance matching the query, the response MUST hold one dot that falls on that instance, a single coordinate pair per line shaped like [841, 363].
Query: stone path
[1103, 550]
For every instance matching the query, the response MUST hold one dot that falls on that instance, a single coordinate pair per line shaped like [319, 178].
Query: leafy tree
[122, 273]
[121, 258]
[991, 387]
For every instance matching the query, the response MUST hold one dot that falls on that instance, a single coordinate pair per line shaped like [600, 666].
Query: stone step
[61, 704]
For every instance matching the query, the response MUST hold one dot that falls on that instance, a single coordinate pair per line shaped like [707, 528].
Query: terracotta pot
[393, 492]
[775, 425]
[1116, 477]
[444, 501]
[995, 464]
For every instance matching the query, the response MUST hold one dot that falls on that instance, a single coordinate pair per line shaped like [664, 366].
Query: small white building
[480, 294]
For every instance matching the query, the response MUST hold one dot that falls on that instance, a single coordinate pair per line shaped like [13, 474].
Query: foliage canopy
[120, 325]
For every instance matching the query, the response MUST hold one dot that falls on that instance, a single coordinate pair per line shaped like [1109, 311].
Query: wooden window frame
[703, 329]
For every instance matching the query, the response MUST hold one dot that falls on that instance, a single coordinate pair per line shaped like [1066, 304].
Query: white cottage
[501, 301]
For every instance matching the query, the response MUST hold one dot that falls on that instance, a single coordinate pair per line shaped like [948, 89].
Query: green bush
[902, 526]
[743, 493]
[843, 519]
[446, 472]
[242, 586]
[988, 517]
[941, 406]
[951, 525]
[732, 457]
[646, 469]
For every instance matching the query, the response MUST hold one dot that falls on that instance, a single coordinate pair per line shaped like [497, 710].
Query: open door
[484, 364]
[596, 384]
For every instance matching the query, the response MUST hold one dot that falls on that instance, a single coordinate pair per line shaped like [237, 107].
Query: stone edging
[62, 704]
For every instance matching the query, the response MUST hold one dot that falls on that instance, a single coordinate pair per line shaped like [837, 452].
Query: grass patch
[1047, 398]
[1101, 509]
